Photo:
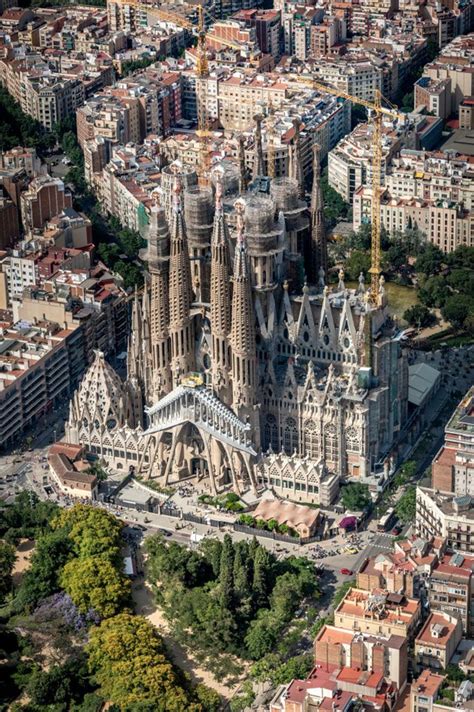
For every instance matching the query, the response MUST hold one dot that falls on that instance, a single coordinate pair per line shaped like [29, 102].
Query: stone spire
[220, 297]
[318, 230]
[135, 356]
[243, 344]
[242, 167]
[158, 252]
[181, 326]
[298, 163]
[258, 163]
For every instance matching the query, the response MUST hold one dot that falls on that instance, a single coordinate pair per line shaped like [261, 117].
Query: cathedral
[245, 368]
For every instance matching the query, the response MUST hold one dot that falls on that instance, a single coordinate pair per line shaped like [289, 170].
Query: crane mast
[378, 111]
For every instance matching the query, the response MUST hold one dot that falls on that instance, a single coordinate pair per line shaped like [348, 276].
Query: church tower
[243, 342]
[135, 367]
[258, 162]
[181, 327]
[220, 298]
[158, 263]
[318, 229]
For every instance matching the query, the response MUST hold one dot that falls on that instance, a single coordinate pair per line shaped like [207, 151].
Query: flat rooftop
[461, 141]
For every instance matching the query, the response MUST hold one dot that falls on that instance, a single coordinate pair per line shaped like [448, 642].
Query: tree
[406, 506]
[430, 259]
[433, 293]
[335, 207]
[297, 667]
[209, 700]
[26, 517]
[95, 584]
[92, 531]
[60, 685]
[262, 635]
[357, 262]
[240, 574]
[355, 497]
[96, 469]
[7, 562]
[455, 674]
[226, 578]
[53, 551]
[457, 309]
[128, 661]
[261, 566]
[418, 315]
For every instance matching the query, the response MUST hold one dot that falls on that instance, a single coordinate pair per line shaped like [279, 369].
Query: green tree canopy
[429, 260]
[355, 497]
[128, 661]
[406, 506]
[92, 531]
[26, 517]
[94, 583]
[457, 309]
[357, 262]
[418, 315]
[52, 552]
[7, 562]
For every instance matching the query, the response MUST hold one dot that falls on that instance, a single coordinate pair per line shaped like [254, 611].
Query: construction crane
[378, 112]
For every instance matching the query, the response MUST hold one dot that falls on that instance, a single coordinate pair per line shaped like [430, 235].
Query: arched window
[270, 433]
[290, 436]
[330, 444]
[311, 439]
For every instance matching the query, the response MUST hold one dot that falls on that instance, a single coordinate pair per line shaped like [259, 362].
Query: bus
[385, 522]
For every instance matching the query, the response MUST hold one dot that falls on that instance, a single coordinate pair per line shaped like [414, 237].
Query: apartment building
[267, 24]
[44, 198]
[9, 220]
[455, 63]
[350, 162]
[91, 298]
[425, 691]
[434, 96]
[241, 95]
[447, 516]
[359, 77]
[44, 95]
[378, 613]
[21, 158]
[451, 588]
[446, 224]
[405, 569]
[68, 229]
[348, 649]
[147, 103]
[453, 466]
[466, 114]
[437, 641]
[39, 367]
[19, 270]
[431, 175]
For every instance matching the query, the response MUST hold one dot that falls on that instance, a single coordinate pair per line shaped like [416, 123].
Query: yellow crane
[378, 112]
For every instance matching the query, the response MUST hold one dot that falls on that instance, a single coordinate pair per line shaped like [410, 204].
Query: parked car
[346, 572]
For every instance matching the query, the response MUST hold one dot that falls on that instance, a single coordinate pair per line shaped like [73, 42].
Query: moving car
[346, 572]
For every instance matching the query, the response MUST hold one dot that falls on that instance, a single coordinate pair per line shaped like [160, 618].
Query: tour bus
[386, 521]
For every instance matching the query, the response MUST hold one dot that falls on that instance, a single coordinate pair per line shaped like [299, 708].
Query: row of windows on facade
[288, 484]
[112, 452]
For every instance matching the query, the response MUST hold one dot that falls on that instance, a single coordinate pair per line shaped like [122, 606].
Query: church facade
[242, 369]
